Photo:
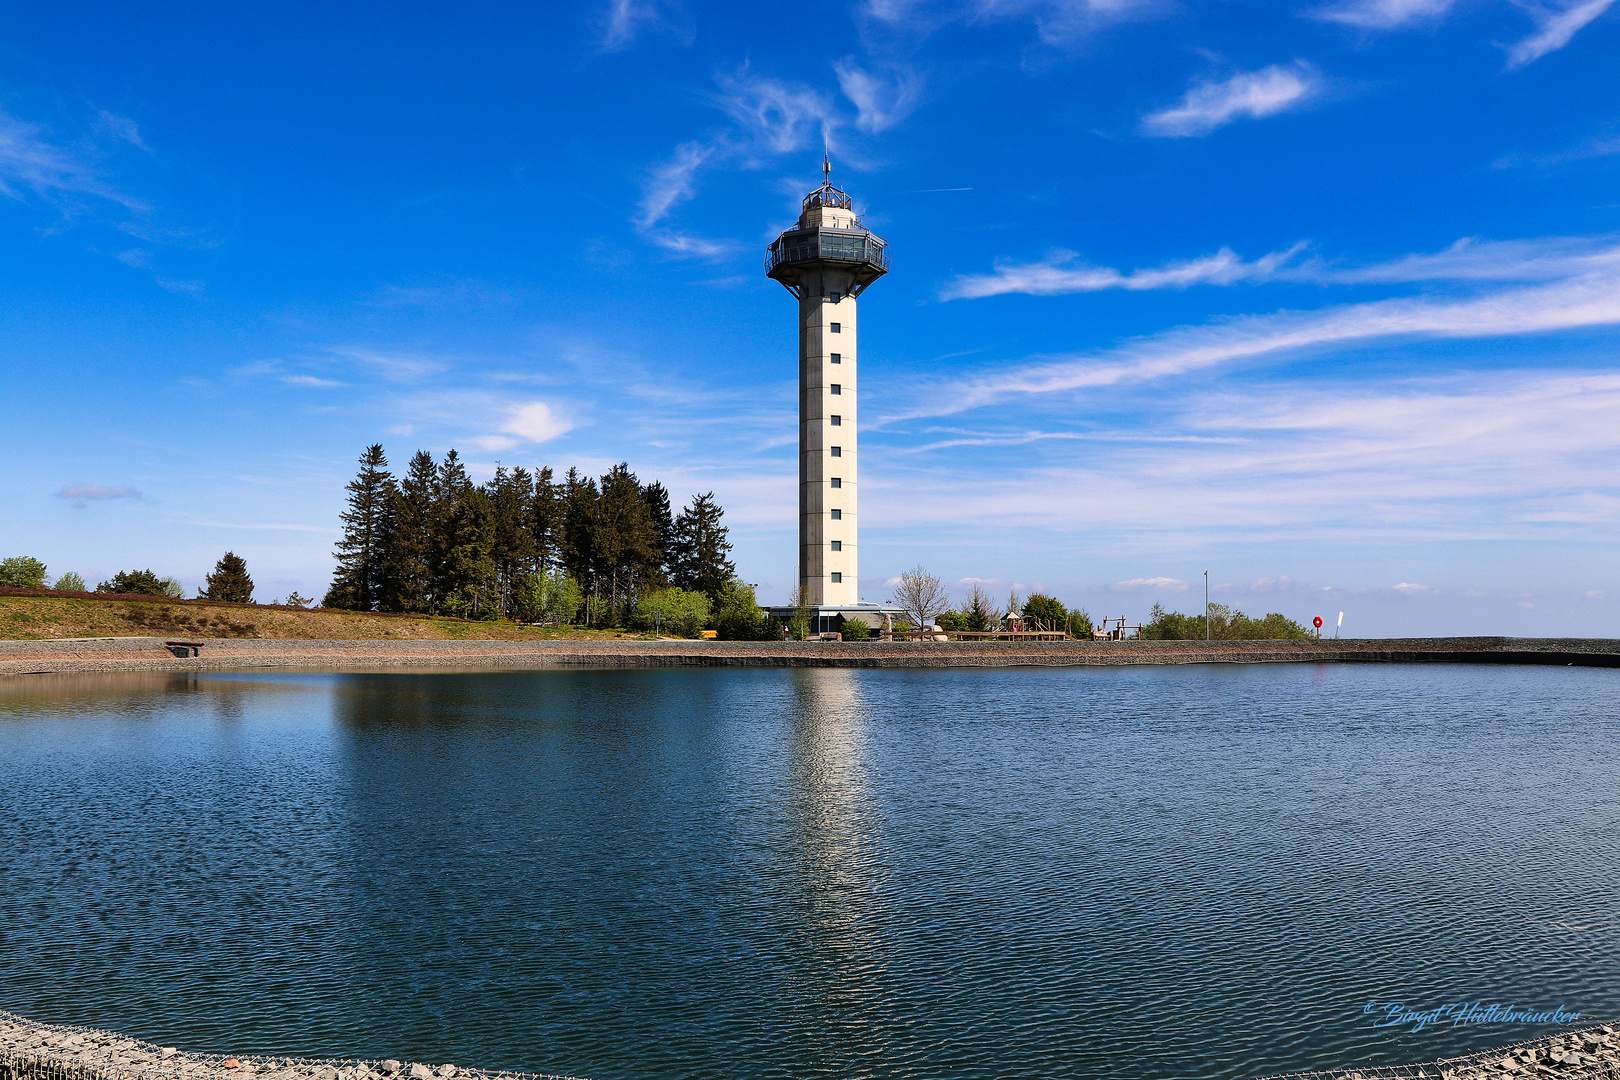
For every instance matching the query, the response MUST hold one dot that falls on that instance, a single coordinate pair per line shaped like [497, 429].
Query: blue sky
[1322, 298]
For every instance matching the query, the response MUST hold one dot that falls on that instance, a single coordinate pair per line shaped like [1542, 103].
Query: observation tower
[826, 262]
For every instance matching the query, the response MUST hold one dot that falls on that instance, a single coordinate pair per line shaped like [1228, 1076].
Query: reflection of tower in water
[838, 932]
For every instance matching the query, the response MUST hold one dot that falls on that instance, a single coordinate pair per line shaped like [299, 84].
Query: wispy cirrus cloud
[672, 182]
[1385, 14]
[880, 102]
[779, 116]
[1060, 274]
[1469, 259]
[30, 162]
[1249, 95]
[1590, 296]
[624, 21]
[1056, 22]
[1555, 29]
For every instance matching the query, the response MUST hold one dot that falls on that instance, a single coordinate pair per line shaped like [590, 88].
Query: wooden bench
[184, 648]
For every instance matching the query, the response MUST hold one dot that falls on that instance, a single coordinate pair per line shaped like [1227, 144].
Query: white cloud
[694, 246]
[780, 116]
[880, 103]
[1057, 22]
[1386, 14]
[672, 182]
[1407, 588]
[626, 20]
[1058, 275]
[1469, 259]
[30, 162]
[529, 423]
[1586, 299]
[1248, 95]
[1555, 31]
[122, 127]
[311, 381]
[1152, 584]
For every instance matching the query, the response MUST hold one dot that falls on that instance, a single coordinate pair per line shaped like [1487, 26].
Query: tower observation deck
[826, 261]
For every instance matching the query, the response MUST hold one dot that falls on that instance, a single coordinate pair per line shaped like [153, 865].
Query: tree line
[525, 545]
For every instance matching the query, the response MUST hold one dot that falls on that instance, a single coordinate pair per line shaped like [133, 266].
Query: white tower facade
[827, 261]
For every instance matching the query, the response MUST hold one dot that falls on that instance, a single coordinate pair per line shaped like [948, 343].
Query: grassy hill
[32, 614]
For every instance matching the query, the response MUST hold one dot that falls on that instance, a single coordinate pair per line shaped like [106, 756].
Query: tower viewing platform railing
[835, 245]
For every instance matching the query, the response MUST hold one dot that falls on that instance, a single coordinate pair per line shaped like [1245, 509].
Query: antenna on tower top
[826, 167]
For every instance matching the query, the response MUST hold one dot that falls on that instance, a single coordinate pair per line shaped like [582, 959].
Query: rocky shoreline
[1587, 1054]
[233, 654]
[34, 1051]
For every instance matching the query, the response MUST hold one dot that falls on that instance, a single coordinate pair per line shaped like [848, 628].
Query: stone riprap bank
[1588, 1054]
[32, 1051]
[235, 654]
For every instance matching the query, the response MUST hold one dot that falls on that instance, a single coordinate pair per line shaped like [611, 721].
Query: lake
[1213, 871]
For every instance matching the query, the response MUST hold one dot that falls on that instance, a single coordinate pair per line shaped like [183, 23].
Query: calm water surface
[1148, 872]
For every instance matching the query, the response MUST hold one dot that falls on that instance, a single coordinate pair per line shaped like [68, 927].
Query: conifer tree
[625, 542]
[701, 544]
[408, 580]
[360, 554]
[511, 495]
[657, 499]
[546, 521]
[229, 581]
[577, 540]
[468, 565]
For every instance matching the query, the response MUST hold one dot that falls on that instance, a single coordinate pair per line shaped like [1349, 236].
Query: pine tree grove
[523, 545]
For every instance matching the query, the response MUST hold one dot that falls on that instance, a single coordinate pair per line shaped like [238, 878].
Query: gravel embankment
[33, 1051]
[217, 654]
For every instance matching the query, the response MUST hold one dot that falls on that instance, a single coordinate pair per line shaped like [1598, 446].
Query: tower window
[838, 358]
[838, 545]
[836, 420]
[837, 451]
[838, 515]
[838, 579]
[837, 388]
[838, 481]
[837, 328]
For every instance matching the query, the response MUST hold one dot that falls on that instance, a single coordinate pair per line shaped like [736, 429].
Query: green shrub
[738, 616]
[1046, 610]
[1224, 625]
[953, 620]
[548, 596]
[70, 582]
[672, 611]
[22, 572]
[136, 583]
[857, 629]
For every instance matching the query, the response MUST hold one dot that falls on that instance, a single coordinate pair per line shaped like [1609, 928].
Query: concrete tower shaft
[826, 262]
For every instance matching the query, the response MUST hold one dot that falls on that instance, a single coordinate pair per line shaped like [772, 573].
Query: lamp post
[1206, 605]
